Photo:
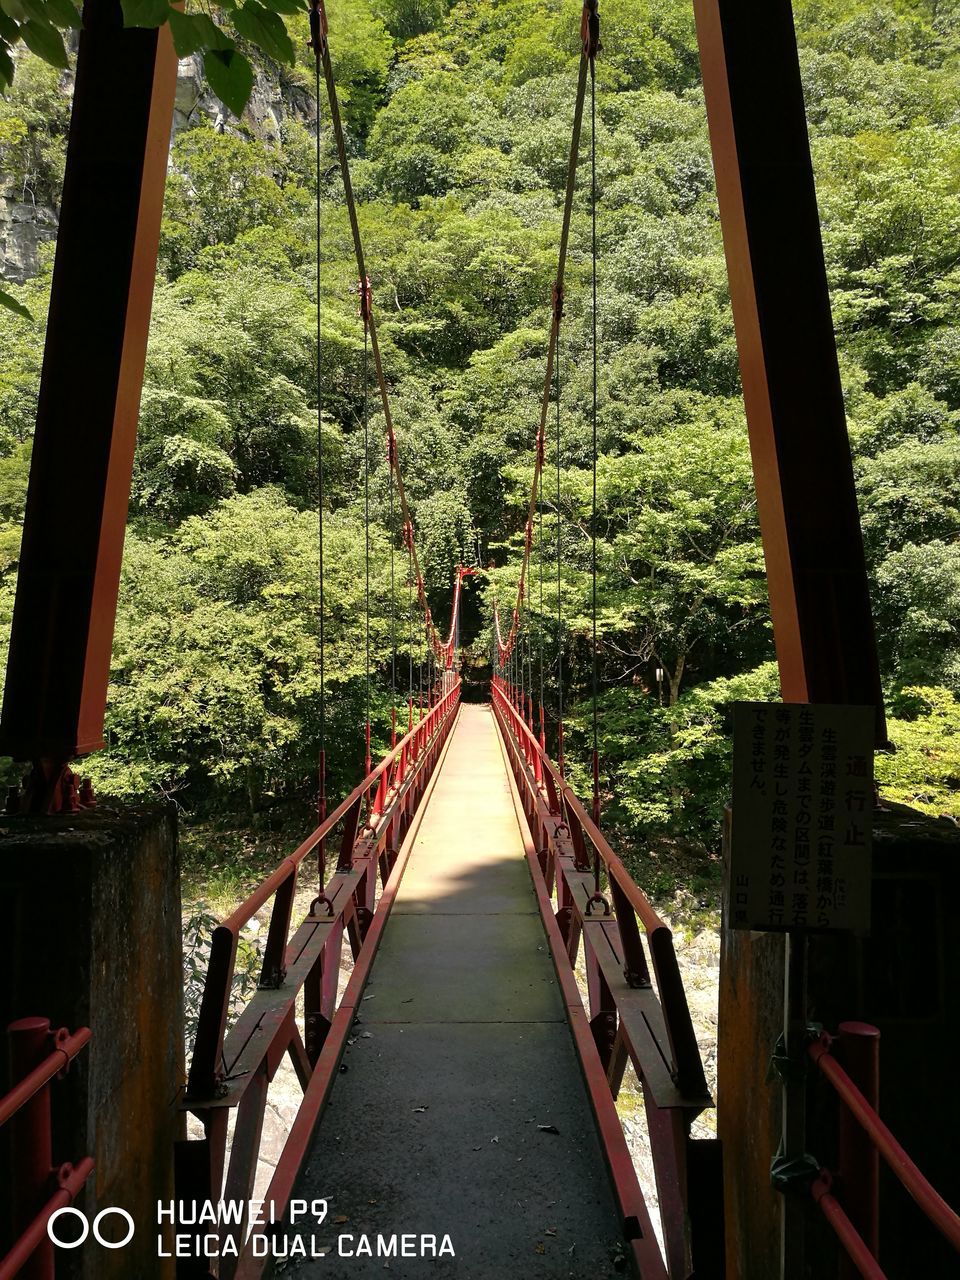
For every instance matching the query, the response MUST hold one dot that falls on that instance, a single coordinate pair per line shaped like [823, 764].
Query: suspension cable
[349, 200]
[572, 161]
[559, 599]
[409, 640]
[317, 38]
[540, 611]
[365, 312]
[593, 517]
[528, 618]
[393, 613]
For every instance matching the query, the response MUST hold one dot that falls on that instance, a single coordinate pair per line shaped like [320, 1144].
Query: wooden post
[806, 499]
[89, 402]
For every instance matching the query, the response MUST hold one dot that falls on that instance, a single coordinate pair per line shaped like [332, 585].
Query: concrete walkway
[462, 1051]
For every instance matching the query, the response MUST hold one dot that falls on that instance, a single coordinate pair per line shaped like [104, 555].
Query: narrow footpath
[462, 1112]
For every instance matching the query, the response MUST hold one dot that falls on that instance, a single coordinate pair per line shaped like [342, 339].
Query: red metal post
[806, 499]
[858, 1158]
[31, 1142]
[855, 1253]
[89, 399]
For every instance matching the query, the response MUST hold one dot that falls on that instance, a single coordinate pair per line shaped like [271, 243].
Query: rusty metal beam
[89, 402]
[806, 498]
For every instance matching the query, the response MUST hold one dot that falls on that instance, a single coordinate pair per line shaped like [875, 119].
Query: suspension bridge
[457, 1085]
[458, 966]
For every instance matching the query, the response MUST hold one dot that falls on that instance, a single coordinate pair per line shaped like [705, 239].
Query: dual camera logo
[68, 1211]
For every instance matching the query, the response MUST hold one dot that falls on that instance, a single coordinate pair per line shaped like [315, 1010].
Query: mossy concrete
[93, 931]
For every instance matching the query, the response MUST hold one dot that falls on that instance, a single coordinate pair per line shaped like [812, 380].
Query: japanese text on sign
[802, 811]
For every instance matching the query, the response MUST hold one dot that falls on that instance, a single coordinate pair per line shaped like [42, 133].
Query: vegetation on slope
[459, 123]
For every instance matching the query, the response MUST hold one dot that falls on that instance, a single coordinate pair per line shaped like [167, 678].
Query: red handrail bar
[71, 1179]
[251, 905]
[853, 1243]
[683, 1042]
[63, 1054]
[28, 1102]
[615, 868]
[653, 1031]
[932, 1204]
[203, 1075]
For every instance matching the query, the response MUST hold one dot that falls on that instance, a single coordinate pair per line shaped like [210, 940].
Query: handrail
[387, 784]
[853, 1243]
[414, 738]
[27, 1105]
[627, 1019]
[615, 868]
[686, 1066]
[67, 1047]
[299, 973]
[934, 1208]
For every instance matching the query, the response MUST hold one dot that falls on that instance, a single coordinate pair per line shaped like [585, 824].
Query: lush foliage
[458, 125]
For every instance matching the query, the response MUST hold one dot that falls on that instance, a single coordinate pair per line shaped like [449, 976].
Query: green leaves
[46, 42]
[924, 726]
[144, 13]
[289, 7]
[230, 76]
[265, 30]
[10, 302]
[61, 13]
[6, 69]
[38, 23]
[195, 31]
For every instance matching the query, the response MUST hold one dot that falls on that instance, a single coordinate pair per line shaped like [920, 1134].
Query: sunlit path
[462, 1052]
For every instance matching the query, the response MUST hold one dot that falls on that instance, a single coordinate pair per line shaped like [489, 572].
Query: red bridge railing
[634, 1015]
[852, 1208]
[38, 1056]
[234, 1070]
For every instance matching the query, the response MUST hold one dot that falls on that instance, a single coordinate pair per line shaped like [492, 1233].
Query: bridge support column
[92, 923]
[89, 402]
[899, 979]
[806, 498]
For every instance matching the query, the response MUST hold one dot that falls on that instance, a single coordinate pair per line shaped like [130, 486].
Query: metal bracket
[273, 980]
[792, 1174]
[783, 1067]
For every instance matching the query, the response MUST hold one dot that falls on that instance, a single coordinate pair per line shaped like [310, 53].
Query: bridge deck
[462, 1051]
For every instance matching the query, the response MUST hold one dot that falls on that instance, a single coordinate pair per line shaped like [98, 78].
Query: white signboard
[802, 817]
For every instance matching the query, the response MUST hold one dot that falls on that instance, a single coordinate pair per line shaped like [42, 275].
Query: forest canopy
[458, 120]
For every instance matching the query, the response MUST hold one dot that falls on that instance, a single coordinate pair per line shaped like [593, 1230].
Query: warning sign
[802, 817]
